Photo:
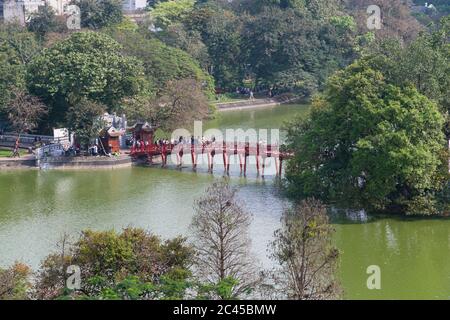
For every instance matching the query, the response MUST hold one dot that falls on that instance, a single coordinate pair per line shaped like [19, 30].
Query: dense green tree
[190, 41]
[96, 14]
[12, 73]
[22, 42]
[17, 48]
[84, 120]
[161, 62]
[87, 64]
[222, 36]
[133, 264]
[369, 144]
[167, 13]
[425, 63]
[293, 48]
[319, 8]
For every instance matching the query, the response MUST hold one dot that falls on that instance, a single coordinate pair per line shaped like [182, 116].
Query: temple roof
[142, 126]
[112, 132]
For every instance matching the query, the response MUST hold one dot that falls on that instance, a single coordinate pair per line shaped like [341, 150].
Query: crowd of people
[165, 144]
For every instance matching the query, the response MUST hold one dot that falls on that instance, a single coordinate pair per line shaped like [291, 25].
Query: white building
[133, 5]
[19, 10]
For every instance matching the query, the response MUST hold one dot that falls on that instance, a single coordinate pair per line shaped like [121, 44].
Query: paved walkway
[256, 103]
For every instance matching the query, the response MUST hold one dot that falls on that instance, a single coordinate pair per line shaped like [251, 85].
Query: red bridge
[145, 148]
[259, 151]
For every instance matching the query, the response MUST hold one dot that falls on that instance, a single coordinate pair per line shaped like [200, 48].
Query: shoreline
[255, 104]
[62, 163]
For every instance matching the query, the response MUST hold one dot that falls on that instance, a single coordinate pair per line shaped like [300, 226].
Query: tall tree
[304, 250]
[161, 62]
[397, 21]
[96, 14]
[17, 48]
[181, 103]
[24, 112]
[15, 282]
[85, 65]
[424, 63]
[295, 48]
[220, 231]
[84, 120]
[167, 13]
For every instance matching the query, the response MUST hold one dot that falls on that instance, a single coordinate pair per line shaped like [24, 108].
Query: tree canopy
[162, 63]
[96, 14]
[87, 64]
[370, 144]
[17, 48]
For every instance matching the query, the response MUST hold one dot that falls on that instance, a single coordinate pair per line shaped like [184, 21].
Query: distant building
[19, 10]
[133, 5]
[58, 5]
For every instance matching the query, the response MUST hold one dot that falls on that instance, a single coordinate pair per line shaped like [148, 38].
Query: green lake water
[37, 207]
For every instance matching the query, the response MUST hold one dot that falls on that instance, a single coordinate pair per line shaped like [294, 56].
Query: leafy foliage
[370, 144]
[397, 21]
[169, 12]
[130, 265]
[83, 119]
[17, 48]
[162, 63]
[96, 14]
[85, 65]
[15, 282]
[425, 63]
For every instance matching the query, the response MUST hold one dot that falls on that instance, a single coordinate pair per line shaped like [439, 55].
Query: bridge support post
[277, 168]
[180, 158]
[209, 161]
[245, 165]
[263, 160]
[241, 162]
[257, 158]
[193, 157]
[213, 153]
[225, 157]
[281, 167]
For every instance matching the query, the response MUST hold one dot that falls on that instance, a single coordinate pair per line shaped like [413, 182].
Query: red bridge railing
[260, 151]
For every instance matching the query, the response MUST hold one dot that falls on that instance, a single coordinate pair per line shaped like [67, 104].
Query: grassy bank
[4, 153]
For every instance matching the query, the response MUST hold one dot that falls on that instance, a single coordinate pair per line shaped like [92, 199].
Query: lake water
[37, 207]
